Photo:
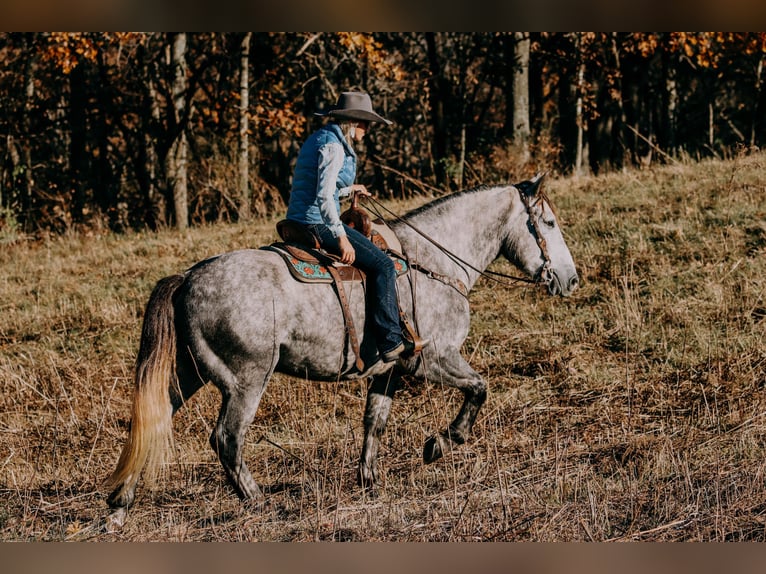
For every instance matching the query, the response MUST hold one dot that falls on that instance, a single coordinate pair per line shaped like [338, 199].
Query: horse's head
[536, 245]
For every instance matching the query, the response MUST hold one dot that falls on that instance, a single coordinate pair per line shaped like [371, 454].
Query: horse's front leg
[380, 395]
[451, 369]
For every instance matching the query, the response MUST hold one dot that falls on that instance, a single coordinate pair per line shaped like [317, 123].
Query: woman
[325, 172]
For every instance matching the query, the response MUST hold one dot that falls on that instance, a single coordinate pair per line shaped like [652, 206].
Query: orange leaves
[710, 49]
[702, 49]
[645, 44]
[372, 53]
[68, 49]
[272, 117]
[210, 114]
[755, 42]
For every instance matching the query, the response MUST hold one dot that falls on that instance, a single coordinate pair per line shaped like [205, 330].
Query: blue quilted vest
[304, 204]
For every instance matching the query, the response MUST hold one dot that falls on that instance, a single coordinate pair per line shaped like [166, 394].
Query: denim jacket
[324, 172]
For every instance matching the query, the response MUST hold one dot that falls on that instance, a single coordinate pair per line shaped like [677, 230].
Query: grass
[632, 411]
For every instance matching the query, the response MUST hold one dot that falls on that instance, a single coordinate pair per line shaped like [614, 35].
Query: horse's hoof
[432, 450]
[116, 520]
[366, 478]
[255, 504]
[121, 498]
[252, 495]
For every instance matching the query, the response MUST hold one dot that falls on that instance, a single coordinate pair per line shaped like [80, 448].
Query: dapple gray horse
[235, 319]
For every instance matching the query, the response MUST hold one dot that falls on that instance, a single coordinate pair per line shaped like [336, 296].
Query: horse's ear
[530, 187]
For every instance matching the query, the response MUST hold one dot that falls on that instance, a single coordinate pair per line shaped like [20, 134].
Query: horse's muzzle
[558, 287]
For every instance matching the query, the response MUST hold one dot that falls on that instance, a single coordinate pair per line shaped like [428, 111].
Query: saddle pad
[310, 266]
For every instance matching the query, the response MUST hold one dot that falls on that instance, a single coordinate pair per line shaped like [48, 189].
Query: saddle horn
[357, 217]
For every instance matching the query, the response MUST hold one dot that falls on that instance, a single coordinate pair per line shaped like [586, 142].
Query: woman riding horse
[325, 172]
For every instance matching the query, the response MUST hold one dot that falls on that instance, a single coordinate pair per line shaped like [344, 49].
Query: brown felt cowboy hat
[355, 106]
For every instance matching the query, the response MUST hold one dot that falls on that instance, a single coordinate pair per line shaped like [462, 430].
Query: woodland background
[117, 131]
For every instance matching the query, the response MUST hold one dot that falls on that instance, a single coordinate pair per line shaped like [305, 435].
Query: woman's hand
[359, 189]
[347, 253]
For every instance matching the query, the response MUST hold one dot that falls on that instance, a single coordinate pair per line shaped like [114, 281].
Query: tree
[438, 98]
[144, 129]
[28, 110]
[579, 109]
[244, 102]
[145, 133]
[175, 162]
[521, 128]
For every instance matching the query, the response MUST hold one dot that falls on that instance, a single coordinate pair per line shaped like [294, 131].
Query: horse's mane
[449, 197]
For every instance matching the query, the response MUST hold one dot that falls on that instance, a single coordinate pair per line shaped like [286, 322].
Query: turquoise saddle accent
[310, 266]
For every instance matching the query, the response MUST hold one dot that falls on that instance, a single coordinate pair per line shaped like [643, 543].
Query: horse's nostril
[574, 281]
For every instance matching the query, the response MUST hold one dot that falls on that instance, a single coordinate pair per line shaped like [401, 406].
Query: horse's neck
[469, 225]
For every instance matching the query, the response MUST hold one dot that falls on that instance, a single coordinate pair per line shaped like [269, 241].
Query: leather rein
[497, 277]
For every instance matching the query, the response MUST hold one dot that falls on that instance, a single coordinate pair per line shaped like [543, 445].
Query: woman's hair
[347, 127]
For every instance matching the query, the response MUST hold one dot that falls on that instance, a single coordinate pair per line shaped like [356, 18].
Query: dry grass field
[635, 410]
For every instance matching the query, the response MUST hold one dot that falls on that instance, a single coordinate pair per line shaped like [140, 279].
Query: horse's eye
[549, 223]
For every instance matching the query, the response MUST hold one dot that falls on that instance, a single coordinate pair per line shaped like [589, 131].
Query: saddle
[309, 263]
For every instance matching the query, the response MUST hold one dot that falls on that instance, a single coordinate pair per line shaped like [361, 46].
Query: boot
[404, 350]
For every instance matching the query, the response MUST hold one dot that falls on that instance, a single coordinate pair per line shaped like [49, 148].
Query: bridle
[543, 276]
[545, 273]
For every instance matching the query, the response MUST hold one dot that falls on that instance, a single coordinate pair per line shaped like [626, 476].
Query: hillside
[632, 411]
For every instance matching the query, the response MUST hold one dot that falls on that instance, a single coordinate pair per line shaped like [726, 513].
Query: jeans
[381, 283]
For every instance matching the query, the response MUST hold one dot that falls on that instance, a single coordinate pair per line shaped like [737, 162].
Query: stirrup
[417, 344]
[405, 350]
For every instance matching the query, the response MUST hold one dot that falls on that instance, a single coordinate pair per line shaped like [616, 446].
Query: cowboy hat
[355, 106]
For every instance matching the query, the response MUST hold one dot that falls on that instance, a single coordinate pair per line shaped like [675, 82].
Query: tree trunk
[175, 166]
[619, 149]
[579, 120]
[154, 206]
[567, 115]
[759, 100]
[26, 126]
[78, 160]
[244, 103]
[438, 101]
[669, 102]
[521, 127]
[460, 175]
[106, 188]
[536, 97]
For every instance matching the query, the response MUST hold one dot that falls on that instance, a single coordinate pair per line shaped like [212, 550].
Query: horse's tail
[151, 433]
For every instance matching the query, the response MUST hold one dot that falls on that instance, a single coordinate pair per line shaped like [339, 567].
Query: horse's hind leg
[451, 369]
[188, 380]
[379, 398]
[239, 405]
[227, 440]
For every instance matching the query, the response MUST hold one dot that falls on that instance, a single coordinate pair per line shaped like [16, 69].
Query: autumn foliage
[91, 120]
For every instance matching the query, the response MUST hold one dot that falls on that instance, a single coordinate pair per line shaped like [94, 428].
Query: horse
[236, 318]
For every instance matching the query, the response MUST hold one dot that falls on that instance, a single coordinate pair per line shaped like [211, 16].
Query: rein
[497, 277]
